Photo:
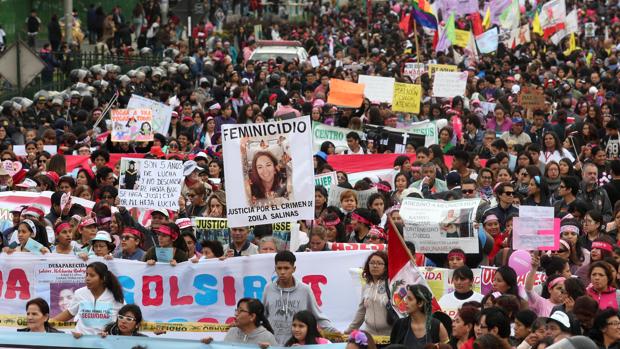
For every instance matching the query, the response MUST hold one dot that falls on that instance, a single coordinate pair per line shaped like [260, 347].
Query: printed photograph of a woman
[267, 181]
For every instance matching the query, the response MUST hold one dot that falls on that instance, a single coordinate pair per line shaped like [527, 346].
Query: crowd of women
[563, 154]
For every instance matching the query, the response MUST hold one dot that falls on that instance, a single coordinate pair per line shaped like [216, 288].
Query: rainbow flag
[423, 14]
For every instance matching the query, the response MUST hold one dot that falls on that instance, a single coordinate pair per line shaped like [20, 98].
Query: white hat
[516, 89]
[189, 167]
[202, 154]
[102, 236]
[593, 90]
[561, 318]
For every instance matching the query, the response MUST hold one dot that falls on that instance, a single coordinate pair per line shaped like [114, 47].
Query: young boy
[286, 296]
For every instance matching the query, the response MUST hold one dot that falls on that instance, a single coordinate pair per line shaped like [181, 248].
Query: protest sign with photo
[531, 98]
[414, 70]
[270, 163]
[433, 68]
[326, 180]
[146, 183]
[377, 88]
[406, 98]
[449, 84]
[440, 226]
[162, 113]
[362, 195]
[132, 125]
[337, 135]
[208, 228]
[590, 29]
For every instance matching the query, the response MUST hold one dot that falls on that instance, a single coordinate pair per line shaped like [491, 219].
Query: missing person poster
[162, 113]
[270, 163]
[439, 226]
[132, 125]
[146, 183]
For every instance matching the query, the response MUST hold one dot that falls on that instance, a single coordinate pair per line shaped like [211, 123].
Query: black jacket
[402, 326]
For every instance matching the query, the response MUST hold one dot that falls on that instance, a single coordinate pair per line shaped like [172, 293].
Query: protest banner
[20, 150]
[440, 226]
[269, 162]
[162, 113]
[345, 94]
[426, 128]
[488, 273]
[487, 42]
[433, 68]
[362, 195]
[132, 125]
[531, 98]
[459, 7]
[353, 246]
[461, 38]
[207, 291]
[377, 88]
[326, 180]
[449, 84]
[208, 228]
[146, 183]
[536, 229]
[337, 135]
[406, 97]
[393, 139]
[414, 70]
[9, 200]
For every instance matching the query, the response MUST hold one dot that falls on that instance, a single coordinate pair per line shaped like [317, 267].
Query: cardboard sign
[449, 84]
[406, 98]
[132, 125]
[433, 68]
[377, 88]
[146, 183]
[530, 98]
[414, 70]
[345, 94]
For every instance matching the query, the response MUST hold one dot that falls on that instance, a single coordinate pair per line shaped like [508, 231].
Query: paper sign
[12, 167]
[215, 229]
[326, 180]
[414, 70]
[590, 29]
[146, 183]
[33, 246]
[269, 164]
[448, 84]
[487, 108]
[377, 88]
[530, 98]
[535, 212]
[541, 234]
[314, 60]
[64, 200]
[162, 113]
[462, 38]
[164, 254]
[20, 150]
[488, 41]
[345, 94]
[433, 68]
[132, 125]
[406, 98]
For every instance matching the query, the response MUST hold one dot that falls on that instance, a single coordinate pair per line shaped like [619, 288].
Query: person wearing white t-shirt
[462, 279]
[95, 305]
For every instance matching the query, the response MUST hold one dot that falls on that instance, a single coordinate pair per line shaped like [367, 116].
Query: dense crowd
[565, 156]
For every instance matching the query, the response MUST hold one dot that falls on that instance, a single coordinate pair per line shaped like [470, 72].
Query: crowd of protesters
[565, 156]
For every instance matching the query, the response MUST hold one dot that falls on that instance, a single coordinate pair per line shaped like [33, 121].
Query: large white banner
[147, 183]
[162, 113]
[207, 291]
[439, 226]
[269, 170]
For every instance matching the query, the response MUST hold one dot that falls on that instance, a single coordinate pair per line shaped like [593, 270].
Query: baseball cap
[189, 167]
[184, 223]
[34, 211]
[561, 319]
[87, 221]
[453, 179]
[201, 155]
[161, 211]
[102, 236]
[517, 120]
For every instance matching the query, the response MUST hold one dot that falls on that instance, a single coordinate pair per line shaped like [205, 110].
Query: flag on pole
[405, 23]
[451, 29]
[402, 272]
[553, 17]
[423, 14]
[486, 22]
[476, 23]
[572, 45]
[509, 19]
[536, 28]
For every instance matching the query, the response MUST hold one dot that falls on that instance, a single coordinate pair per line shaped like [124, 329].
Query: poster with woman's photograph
[271, 167]
[61, 296]
[132, 125]
[268, 178]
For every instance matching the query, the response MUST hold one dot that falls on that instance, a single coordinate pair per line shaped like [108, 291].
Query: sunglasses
[509, 193]
[467, 191]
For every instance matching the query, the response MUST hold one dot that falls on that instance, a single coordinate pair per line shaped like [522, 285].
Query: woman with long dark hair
[552, 149]
[305, 330]
[266, 181]
[102, 296]
[538, 192]
[372, 308]
[251, 325]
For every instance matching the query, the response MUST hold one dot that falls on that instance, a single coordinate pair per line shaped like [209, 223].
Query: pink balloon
[396, 8]
[522, 9]
[520, 261]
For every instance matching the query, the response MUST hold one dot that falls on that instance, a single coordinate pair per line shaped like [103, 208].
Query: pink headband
[555, 282]
[333, 223]
[491, 217]
[569, 227]
[62, 226]
[382, 187]
[360, 218]
[456, 254]
[602, 246]
[565, 244]
[103, 220]
[164, 229]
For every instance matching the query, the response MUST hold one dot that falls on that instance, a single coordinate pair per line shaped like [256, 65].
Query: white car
[288, 50]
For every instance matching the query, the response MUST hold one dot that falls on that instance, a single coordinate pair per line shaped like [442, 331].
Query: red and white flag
[553, 17]
[402, 272]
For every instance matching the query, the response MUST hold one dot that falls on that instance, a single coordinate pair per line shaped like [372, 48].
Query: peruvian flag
[402, 272]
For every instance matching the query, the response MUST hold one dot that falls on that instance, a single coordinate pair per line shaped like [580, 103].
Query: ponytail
[110, 281]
